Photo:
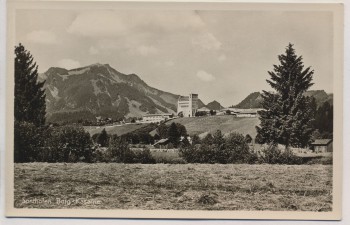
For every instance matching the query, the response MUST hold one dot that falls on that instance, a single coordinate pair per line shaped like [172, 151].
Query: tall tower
[193, 104]
[187, 105]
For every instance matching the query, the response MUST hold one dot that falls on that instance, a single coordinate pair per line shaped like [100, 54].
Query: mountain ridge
[254, 99]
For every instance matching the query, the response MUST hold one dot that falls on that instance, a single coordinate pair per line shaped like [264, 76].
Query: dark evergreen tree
[162, 130]
[156, 137]
[287, 116]
[218, 138]
[196, 139]
[29, 107]
[221, 153]
[208, 139]
[120, 151]
[324, 119]
[27, 138]
[174, 135]
[238, 149]
[29, 93]
[181, 129]
[248, 139]
[103, 138]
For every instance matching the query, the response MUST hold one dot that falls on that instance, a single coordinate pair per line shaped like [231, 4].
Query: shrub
[273, 155]
[119, 151]
[167, 157]
[66, 144]
[27, 140]
[101, 155]
[319, 160]
[102, 138]
[144, 156]
[218, 149]
[238, 149]
[201, 113]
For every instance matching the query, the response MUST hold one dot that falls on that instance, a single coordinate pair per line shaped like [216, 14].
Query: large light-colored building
[241, 112]
[156, 118]
[187, 105]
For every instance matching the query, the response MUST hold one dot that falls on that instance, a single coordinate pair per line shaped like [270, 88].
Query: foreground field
[174, 186]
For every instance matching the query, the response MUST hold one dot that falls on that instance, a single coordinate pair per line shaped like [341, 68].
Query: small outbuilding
[322, 145]
[162, 143]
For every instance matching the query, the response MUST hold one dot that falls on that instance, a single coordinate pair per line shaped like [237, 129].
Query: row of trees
[74, 144]
[214, 148]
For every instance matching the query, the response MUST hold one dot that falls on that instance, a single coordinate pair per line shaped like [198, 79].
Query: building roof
[322, 142]
[204, 109]
[162, 141]
[249, 111]
[159, 114]
[242, 111]
[184, 98]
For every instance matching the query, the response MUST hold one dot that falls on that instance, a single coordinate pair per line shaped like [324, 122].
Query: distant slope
[321, 96]
[200, 104]
[119, 130]
[227, 124]
[254, 99]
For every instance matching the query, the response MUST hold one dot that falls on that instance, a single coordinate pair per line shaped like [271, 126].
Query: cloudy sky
[221, 55]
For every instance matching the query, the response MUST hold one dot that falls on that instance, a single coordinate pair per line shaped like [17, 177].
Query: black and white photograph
[175, 110]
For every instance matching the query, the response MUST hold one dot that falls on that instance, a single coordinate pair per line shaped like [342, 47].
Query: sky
[220, 55]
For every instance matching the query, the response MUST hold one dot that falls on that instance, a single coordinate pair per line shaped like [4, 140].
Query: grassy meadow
[226, 123]
[114, 129]
[174, 186]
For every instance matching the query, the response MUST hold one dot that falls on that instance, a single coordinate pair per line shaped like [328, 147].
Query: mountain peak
[214, 102]
[214, 105]
[99, 65]
[55, 70]
[253, 100]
